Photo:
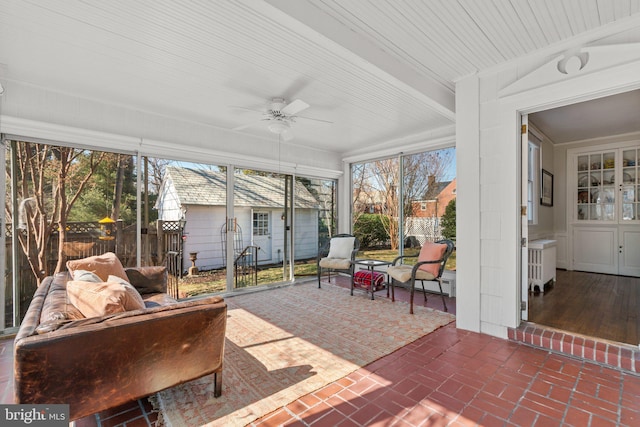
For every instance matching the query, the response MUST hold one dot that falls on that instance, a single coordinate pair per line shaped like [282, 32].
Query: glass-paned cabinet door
[629, 185]
[596, 195]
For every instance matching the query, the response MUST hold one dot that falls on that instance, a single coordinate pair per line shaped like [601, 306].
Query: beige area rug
[287, 342]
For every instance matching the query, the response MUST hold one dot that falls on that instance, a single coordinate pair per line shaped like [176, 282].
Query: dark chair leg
[319, 274]
[424, 291]
[413, 288]
[352, 283]
[217, 388]
[442, 293]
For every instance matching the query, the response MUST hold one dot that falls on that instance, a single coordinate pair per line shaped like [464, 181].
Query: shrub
[370, 230]
[448, 221]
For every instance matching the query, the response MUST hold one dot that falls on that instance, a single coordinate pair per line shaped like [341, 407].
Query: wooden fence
[161, 245]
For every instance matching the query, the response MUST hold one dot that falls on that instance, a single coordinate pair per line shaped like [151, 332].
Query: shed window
[260, 223]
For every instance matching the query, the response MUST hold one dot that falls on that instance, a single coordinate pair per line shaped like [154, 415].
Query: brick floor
[449, 377]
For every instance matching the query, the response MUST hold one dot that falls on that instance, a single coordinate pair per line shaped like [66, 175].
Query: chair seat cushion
[402, 273]
[335, 263]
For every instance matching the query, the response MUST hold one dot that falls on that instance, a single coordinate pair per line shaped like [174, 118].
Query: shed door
[262, 234]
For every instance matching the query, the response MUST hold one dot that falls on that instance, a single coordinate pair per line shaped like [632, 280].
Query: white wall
[202, 230]
[168, 203]
[203, 226]
[488, 277]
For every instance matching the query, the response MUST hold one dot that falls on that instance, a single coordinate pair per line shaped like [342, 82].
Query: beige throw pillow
[341, 247]
[103, 298]
[102, 265]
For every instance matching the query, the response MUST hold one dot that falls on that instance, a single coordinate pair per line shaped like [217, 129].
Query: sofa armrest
[127, 356]
[32, 317]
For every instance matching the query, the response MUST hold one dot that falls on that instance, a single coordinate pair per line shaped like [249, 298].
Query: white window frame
[534, 179]
[261, 222]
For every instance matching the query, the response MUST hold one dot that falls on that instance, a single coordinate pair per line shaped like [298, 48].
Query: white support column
[468, 204]
[344, 200]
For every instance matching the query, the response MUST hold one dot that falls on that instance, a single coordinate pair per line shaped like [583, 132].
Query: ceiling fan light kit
[279, 126]
[279, 116]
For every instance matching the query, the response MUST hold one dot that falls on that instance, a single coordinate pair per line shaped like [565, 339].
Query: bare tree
[117, 193]
[422, 174]
[50, 180]
[156, 173]
[386, 178]
[379, 183]
[362, 190]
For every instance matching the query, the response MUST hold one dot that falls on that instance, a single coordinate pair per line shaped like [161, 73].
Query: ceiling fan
[279, 116]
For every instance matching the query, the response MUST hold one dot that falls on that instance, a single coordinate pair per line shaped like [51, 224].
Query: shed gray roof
[208, 188]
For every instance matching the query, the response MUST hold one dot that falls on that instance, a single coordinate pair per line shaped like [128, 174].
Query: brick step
[615, 355]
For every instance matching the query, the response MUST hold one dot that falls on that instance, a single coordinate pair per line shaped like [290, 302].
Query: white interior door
[629, 250]
[524, 219]
[595, 249]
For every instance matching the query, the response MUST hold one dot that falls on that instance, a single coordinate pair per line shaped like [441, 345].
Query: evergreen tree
[448, 221]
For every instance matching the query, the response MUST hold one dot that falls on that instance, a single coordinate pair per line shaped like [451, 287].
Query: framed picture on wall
[546, 192]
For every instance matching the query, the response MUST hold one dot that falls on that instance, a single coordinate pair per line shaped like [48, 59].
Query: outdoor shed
[199, 197]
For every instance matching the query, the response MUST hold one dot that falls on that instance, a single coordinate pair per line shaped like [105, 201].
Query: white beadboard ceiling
[380, 70]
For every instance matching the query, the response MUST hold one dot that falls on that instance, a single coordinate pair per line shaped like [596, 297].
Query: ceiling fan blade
[315, 120]
[248, 125]
[287, 135]
[295, 107]
[237, 107]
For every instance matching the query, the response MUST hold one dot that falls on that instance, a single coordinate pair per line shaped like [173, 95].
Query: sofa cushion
[102, 265]
[103, 298]
[157, 300]
[87, 276]
[148, 280]
[56, 307]
[431, 252]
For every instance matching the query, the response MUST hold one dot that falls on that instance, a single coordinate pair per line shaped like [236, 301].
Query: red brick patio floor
[449, 377]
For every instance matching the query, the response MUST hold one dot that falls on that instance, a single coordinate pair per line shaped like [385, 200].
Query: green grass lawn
[215, 281]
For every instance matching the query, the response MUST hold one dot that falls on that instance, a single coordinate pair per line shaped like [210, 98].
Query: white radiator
[448, 284]
[542, 264]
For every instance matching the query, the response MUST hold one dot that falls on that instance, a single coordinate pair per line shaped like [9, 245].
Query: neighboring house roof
[209, 188]
[435, 189]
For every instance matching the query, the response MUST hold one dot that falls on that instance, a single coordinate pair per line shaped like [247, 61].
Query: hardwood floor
[596, 305]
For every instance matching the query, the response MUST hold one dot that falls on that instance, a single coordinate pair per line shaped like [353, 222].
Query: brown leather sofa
[97, 363]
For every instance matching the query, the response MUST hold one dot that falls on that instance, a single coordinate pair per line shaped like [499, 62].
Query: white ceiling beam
[310, 22]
